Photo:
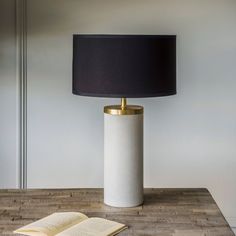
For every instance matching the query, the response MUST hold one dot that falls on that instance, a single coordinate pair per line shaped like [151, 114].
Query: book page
[94, 227]
[52, 224]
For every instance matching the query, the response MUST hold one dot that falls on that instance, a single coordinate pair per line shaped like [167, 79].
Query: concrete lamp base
[123, 156]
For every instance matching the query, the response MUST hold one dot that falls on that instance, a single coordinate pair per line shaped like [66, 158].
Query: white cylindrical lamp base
[123, 158]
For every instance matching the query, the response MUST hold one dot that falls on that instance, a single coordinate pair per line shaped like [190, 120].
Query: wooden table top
[165, 212]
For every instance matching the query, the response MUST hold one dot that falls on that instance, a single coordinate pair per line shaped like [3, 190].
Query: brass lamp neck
[123, 109]
[123, 103]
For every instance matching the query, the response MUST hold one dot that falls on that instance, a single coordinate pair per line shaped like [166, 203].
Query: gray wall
[190, 138]
[8, 97]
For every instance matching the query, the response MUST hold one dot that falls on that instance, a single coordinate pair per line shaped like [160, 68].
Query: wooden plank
[165, 212]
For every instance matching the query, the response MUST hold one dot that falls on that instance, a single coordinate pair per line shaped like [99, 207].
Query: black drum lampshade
[124, 65]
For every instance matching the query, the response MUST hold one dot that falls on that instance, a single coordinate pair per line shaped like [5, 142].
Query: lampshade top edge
[124, 35]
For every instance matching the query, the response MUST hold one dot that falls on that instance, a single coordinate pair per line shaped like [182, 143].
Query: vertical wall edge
[21, 77]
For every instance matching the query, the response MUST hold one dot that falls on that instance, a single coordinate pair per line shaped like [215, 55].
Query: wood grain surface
[165, 212]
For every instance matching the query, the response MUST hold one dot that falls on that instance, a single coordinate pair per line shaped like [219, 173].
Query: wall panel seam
[21, 70]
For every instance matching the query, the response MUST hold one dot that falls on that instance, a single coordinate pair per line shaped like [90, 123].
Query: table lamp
[124, 66]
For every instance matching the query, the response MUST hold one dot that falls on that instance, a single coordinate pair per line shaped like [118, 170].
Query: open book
[71, 224]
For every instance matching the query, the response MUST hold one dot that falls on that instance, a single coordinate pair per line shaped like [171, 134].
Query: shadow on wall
[7, 31]
[51, 20]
